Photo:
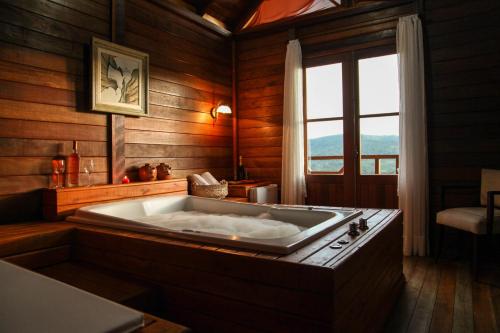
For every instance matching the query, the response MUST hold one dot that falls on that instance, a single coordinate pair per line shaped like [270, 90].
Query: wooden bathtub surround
[220, 289]
[59, 203]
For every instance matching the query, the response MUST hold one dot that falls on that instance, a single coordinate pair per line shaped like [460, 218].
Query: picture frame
[120, 79]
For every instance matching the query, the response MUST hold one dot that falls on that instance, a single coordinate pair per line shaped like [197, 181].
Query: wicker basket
[210, 191]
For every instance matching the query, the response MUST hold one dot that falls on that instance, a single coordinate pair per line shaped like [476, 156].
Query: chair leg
[439, 241]
[474, 255]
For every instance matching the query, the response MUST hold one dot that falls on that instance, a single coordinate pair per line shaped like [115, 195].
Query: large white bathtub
[298, 225]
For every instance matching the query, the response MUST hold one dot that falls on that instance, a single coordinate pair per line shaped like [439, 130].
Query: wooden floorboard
[442, 297]
[405, 307]
[484, 317]
[422, 316]
[442, 315]
[462, 312]
[495, 298]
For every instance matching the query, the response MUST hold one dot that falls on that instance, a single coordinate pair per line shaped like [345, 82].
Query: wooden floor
[442, 297]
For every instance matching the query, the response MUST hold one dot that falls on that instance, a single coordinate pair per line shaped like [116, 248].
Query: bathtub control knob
[343, 242]
[363, 224]
[353, 229]
[336, 247]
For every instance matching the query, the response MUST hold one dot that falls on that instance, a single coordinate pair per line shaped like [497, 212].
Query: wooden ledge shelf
[61, 202]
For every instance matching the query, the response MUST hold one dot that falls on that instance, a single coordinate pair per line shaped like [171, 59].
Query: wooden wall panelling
[44, 81]
[116, 129]
[234, 106]
[190, 72]
[44, 96]
[260, 103]
[117, 148]
[462, 94]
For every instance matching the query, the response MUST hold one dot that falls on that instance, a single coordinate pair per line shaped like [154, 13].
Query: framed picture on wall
[120, 79]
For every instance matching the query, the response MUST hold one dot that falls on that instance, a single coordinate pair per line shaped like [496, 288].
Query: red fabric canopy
[274, 10]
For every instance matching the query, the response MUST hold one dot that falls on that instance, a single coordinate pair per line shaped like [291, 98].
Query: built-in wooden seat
[106, 284]
[46, 248]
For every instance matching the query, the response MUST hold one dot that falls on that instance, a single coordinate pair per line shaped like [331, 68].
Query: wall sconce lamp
[220, 108]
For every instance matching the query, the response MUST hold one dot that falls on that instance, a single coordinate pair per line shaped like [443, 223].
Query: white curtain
[413, 176]
[293, 185]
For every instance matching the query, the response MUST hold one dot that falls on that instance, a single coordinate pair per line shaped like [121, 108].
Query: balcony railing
[377, 159]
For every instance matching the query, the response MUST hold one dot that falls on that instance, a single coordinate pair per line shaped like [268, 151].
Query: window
[373, 118]
[378, 115]
[325, 122]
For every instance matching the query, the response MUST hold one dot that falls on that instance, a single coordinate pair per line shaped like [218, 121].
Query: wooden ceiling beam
[192, 16]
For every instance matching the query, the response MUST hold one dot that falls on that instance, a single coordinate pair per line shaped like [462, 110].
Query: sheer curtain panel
[293, 185]
[413, 175]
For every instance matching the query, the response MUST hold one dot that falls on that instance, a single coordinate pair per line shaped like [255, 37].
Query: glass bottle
[73, 167]
[242, 173]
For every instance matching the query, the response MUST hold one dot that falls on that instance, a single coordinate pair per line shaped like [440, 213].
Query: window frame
[351, 110]
[357, 56]
[346, 105]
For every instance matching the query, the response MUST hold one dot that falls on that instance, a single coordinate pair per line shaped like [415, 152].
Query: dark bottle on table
[242, 172]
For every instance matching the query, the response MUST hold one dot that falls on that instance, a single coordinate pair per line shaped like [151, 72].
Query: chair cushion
[490, 181]
[471, 219]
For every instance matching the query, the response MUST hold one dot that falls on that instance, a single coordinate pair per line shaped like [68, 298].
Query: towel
[199, 180]
[207, 176]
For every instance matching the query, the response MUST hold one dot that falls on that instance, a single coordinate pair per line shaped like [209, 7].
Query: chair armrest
[490, 210]
[444, 188]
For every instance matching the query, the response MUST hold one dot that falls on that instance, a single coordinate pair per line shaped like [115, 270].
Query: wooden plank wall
[464, 93]
[43, 77]
[190, 71]
[261, 61]
[44, 52]
[260, 65]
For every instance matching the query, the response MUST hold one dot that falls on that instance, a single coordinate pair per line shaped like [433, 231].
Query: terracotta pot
[147, 173]
[164, 171]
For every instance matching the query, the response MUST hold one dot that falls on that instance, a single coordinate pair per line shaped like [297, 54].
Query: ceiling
[227, 13]
[235, 15]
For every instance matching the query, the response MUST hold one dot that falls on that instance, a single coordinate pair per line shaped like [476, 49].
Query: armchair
[482, 220]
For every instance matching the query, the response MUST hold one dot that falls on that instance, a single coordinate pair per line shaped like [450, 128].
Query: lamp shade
[224, 109]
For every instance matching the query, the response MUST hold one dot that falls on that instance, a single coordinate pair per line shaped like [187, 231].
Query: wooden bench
[47, 248]
[106, 284]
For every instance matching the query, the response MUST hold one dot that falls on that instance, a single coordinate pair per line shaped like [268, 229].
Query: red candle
[125, 180]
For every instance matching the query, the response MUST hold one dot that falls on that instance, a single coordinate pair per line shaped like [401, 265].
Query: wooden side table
[239, 190]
